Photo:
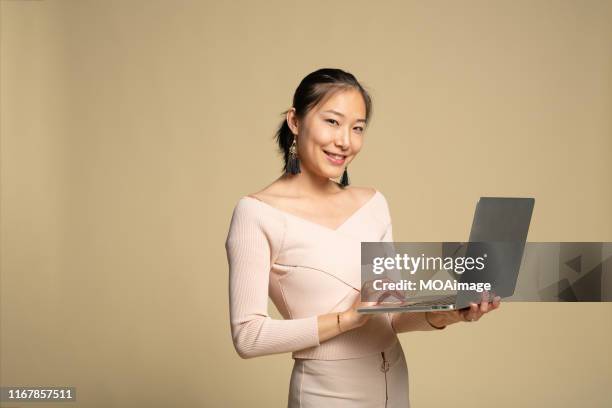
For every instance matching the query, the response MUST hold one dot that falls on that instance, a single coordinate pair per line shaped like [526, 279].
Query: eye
[359, 129]
[331, 120]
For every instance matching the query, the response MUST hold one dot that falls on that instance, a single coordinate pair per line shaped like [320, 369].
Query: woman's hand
[471, 314]
[333, 324]
[351, 318]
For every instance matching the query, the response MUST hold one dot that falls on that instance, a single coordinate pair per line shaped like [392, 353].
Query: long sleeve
[252, 242]
[408, 321]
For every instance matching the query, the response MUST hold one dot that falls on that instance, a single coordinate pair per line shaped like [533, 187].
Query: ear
[292, 120]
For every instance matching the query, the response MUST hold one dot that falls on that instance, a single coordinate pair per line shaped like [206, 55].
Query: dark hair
[314, 88]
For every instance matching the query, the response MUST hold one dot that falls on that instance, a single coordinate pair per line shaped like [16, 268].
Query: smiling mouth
[334, 156]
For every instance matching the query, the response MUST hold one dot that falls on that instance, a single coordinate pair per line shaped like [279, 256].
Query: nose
[343, 139]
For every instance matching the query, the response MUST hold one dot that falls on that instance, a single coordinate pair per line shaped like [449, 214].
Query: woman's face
[334, 127]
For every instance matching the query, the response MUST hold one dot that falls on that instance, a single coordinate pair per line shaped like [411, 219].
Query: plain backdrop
[130, 129]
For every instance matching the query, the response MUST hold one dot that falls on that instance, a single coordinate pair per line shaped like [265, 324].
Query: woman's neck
[304, 184]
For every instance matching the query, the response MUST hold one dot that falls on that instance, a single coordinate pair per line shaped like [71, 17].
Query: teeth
[335, 156]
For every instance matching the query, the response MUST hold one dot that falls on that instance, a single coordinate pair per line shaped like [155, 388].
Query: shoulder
[254, 227]
[379, 204]
[251, 213]
[375, 200]
[363, 194]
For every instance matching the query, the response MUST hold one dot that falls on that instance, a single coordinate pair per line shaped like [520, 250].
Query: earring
[293, 162]
[344, 181]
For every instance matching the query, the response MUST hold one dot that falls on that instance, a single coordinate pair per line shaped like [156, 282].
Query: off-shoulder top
[307, 269]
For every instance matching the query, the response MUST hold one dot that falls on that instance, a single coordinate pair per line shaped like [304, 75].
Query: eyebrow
[340, 114]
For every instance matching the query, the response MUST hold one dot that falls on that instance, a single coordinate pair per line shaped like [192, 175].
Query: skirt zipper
[384, 368]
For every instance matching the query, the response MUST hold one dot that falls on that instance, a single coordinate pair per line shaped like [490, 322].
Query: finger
[358, 303]
[369, 291]
[473, 311]
[496, 302]
[382, 297]
[385, 295]
[484, 305]
[398, 294]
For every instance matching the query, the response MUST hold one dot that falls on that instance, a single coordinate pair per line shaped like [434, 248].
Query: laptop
[499, 229]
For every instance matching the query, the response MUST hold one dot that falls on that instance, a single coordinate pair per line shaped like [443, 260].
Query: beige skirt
[374, 381]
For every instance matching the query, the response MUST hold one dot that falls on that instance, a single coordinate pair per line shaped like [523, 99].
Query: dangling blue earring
[293, 162]
[344, 181]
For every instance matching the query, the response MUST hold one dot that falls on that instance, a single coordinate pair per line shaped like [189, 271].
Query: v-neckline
[325, 227]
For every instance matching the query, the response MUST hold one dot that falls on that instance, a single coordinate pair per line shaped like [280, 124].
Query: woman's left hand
[471, 314]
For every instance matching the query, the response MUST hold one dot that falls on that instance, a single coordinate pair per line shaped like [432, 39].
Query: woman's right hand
[355, 319]
[351, 318]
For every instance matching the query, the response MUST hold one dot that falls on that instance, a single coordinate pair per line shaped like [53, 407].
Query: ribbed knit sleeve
[253, 241]
[408, 321]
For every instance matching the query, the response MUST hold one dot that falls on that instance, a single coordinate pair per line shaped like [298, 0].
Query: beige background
[131, 128]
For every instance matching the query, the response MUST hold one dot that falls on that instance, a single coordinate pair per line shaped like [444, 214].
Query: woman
[298, 241]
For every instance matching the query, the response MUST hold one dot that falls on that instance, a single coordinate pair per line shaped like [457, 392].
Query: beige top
[307, 269]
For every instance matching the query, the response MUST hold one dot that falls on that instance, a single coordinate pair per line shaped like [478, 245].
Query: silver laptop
[500, 222]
